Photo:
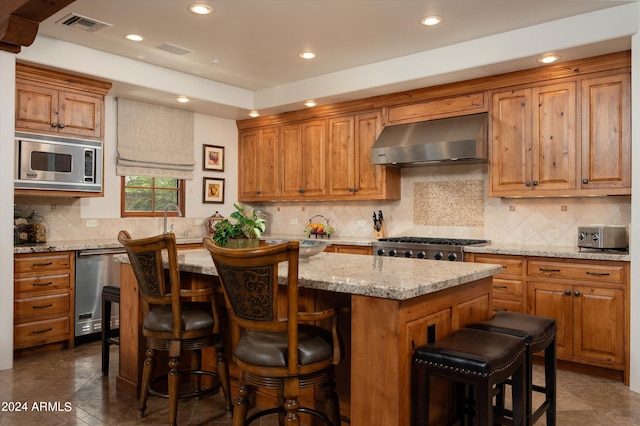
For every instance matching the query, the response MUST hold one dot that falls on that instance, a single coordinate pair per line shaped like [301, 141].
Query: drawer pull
[42, 284]
[41, 331]
[499, 286]
[37, 265]
[42, 306]
[499, 309]
[549, 270]
[598, 274]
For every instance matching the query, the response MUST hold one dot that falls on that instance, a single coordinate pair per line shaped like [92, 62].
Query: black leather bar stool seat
[471, 357]
[540, 335]
[110, 294]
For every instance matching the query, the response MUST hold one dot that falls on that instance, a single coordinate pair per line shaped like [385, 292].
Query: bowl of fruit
[319, 227]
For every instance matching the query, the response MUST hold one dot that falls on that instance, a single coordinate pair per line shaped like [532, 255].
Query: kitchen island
[395, 303]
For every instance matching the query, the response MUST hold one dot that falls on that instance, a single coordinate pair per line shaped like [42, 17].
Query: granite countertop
[493, 248]
[385, 277]
[550, 251]
[72, 245]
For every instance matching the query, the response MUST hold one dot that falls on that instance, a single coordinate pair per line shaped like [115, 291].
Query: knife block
[382, 233]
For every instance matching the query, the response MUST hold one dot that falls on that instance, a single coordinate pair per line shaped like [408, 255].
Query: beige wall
[442, 201]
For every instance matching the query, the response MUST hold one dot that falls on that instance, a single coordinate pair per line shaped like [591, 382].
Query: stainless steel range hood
[456, 139]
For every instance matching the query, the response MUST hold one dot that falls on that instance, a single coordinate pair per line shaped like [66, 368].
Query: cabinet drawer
[37, 263]
[43, 305]
[437, 108]
[576, 271]
[502, 305]
[40, 332]
[41, 283]
[510, 266]
[507, 287]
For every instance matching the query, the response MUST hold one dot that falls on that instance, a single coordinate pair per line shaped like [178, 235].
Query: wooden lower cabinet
[349, 249]
[43, 301]
[509, 286]
[587, 298]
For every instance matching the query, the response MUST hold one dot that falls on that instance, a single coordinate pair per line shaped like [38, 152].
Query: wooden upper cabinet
[54, 103]
[468, 103]
[258, 163]
[606, 133]
[351, 139]
[303, 150]
[533, 144]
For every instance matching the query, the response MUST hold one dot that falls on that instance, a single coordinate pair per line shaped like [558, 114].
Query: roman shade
[154, 141]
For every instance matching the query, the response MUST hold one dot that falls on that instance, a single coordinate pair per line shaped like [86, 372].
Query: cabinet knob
[535, 183]
[527, 183]
[585, 181]
[54, 125]
[576, 293]
[301, 191]
[567, 292]
[61, 126]
[258, 192]
[350, 189]
[355, 189]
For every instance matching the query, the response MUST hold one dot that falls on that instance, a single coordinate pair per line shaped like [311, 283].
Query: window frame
[181, 189]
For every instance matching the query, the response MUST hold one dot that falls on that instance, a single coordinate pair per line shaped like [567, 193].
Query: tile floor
[72, 390]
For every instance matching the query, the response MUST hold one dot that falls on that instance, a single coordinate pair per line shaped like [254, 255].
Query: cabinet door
[341, 156]
[554, 301]
[510, 149]
[369, 178]
[599, 324]
[291, 155]
[80, 114]
[36, 107]
[554, 137]
[606, 133]
[258, 160]
[303, 152]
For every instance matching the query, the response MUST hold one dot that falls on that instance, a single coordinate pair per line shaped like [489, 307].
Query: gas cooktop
[424, 247]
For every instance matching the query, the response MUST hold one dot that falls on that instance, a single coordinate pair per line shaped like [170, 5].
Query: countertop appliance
[603, 237]
[95, 268]
[55, 163]
[450, 249]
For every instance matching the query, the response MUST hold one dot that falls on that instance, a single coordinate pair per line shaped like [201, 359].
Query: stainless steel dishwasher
[94, 269]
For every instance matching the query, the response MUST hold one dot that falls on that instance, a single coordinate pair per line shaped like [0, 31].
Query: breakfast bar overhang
[395, 303]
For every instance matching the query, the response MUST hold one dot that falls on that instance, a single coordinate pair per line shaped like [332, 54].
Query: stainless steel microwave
[57, 163]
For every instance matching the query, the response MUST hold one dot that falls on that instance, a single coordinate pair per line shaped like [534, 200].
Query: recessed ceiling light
[310, 103]
[307, 55]
[254, 114]
[200, 9]
[548, 59]
[182, 99]
[431, 20]
[134, 37]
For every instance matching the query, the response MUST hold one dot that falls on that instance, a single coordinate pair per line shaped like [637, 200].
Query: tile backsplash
[439, 201]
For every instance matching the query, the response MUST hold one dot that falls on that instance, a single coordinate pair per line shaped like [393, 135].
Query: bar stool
[471, 357]
[110, 294]
[540, 335]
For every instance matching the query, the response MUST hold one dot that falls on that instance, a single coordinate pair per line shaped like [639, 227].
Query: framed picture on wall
[213, 190]
[213, 158]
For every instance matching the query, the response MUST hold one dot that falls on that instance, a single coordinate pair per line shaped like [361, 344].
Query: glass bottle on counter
[37, 228]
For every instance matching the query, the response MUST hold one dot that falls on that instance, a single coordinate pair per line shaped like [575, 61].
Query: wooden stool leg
[106, 334]
[196, 364]
[223, 376]
[240, 409]
[550, 381]
[147, 374]
[174, 389]
[420, 393]
[331, 402]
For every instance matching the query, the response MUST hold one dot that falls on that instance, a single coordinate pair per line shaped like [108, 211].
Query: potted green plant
[240, 230]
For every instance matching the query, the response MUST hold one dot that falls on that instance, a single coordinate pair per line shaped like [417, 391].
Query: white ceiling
[255, 43]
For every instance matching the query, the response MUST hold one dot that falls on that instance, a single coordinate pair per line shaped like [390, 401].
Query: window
[144, 196]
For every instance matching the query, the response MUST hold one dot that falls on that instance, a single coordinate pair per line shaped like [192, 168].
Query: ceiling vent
[82, 23]
[172, 48]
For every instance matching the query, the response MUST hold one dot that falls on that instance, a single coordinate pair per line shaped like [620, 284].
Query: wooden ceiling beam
[20, 19]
